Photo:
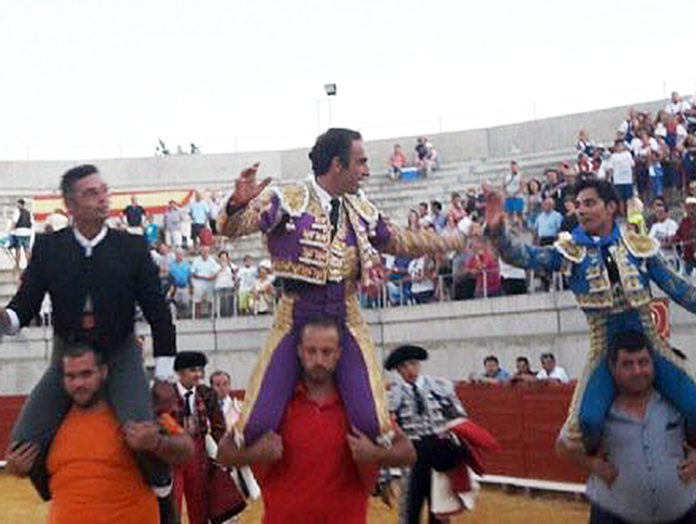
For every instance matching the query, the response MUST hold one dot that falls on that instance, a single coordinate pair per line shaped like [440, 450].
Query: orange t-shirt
[94, 477]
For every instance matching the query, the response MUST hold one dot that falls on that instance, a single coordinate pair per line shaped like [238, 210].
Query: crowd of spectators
[652, 164]
[493, 373]
[203, 284]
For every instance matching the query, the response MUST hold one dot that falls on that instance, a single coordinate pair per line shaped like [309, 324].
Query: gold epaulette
[568, 248]
[293, 198]
[641, 246]
[363, 207]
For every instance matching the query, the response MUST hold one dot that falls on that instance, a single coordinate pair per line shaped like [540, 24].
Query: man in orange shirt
[318, 469]
[93, 473]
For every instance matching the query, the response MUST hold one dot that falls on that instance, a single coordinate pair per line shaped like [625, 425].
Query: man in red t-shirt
[318, 469]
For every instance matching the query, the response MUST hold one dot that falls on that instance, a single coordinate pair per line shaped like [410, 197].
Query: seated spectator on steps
[551, 371]
[397, 161]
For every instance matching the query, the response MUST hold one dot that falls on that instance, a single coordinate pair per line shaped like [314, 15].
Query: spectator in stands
[433, 157]
[398, 280]
[456, 209]
[568, 189]
[599, 162]
[56, 221]
[215, 204]
[677, 105]
[423, 215]
[225, 282]
[263, 293]
[548, 223]
[397, 161]
[533, 204]
[552, 188]
[513, 279]
[180, 273]
[584, 166]
[644, 149]
[584, 144]
[483, 265]
[20, 236]
[134, 214]
[204, 271]
[422, 274]
[151, 232]
[689, 164]
[200, 215]
[246, 275]
[550, 370]
[686, 235]
[421, 151]
[426, 156]
[570, 220]
[627, 128]
[664, 230]
[512, 189]
[172, 225]
[493, 373]
[437, 218]
[413, 220]
[645, 472]
[621, 165]
[524, 371]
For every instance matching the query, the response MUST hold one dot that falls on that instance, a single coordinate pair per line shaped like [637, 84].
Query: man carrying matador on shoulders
[609, 270]
[325, 240]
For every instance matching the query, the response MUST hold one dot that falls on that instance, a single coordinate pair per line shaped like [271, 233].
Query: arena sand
[20, 505]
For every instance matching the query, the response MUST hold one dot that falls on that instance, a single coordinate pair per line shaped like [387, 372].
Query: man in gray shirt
[644, 472]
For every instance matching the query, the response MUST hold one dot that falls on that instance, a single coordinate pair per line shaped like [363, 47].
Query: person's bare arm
[594, 464]
[146, 436]
[401, 452]
[268, 449]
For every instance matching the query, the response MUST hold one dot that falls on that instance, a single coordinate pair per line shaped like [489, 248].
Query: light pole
[330, 90]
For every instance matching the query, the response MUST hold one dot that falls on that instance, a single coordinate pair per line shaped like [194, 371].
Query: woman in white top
[225, 282]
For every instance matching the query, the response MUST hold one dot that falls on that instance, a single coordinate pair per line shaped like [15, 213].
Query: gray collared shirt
[646, 454]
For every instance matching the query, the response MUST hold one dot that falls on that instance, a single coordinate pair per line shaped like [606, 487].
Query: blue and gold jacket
[586, 263]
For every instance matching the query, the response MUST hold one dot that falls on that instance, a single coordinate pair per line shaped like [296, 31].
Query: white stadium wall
[219, 169]
[458, 334]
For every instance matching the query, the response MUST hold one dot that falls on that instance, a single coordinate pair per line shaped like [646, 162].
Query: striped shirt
[423, 407]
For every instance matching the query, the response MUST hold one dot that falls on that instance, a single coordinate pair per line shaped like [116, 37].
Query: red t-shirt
[316, 481]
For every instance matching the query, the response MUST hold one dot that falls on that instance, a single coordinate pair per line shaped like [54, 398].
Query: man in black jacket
[95, 276]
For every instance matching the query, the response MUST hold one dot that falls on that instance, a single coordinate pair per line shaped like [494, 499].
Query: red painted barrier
[525, 418]
[9, 410]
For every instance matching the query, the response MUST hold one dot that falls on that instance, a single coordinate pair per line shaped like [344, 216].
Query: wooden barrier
[525, 418]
